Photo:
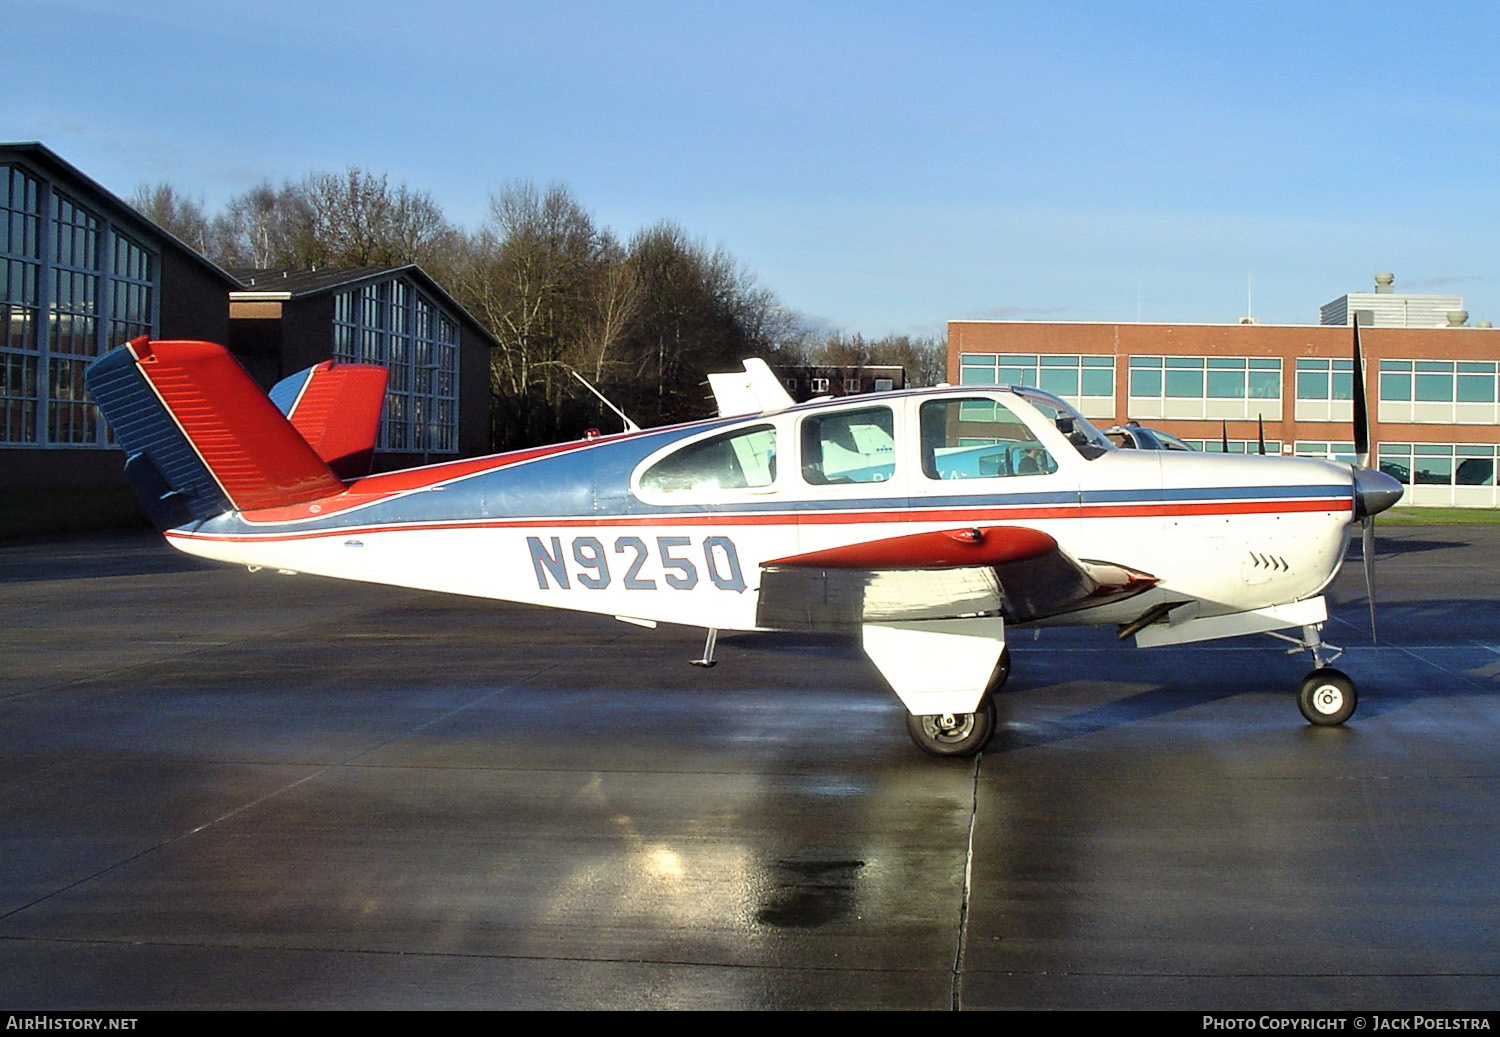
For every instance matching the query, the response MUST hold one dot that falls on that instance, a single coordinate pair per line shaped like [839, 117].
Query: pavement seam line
[1429, 662]
[955, 999]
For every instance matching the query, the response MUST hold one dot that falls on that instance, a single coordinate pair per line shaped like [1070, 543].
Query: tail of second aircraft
[201, 438]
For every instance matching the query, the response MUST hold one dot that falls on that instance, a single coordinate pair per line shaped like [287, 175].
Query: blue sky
[882, 167]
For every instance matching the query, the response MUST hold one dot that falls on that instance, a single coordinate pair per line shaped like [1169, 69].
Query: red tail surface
[336, 408]
[253, 452]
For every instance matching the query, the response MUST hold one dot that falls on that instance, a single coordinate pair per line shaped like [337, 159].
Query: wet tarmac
[226, 790]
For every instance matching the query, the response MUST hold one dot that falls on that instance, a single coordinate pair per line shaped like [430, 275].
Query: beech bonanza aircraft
[929, 522]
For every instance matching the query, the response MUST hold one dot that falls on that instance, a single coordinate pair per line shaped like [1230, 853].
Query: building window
[1443, 391]
[1205, 387]
[1329, 451]
[817, 384]
[1085, 380]
[1325, 390]
[393, 324]
[74, 287]
[1236, 446]
[1443, 473]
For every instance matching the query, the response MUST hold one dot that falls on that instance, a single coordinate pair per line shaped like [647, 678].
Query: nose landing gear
[1327, 697]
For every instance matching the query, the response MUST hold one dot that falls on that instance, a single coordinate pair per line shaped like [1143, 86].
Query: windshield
[1086, 439]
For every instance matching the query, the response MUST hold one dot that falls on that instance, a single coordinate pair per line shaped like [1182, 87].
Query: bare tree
[645, 321]
[557, 293]
[616, 301]
[330, 220]
[925, 359]
[264, 227]
[183, 218]
[357, 219]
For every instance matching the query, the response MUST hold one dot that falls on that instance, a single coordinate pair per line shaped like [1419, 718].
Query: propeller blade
[1361, 412]
[1367, 548]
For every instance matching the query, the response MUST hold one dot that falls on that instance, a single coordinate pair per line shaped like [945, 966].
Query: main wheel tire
[1327, 697]
[1001, 674]
[953, 734]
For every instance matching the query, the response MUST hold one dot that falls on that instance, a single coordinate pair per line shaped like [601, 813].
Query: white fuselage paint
[1231, 533]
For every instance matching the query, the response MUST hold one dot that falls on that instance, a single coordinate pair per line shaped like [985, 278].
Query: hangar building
[83, 272]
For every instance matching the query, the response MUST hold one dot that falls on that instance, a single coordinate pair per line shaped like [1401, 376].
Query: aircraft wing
[1013, 572]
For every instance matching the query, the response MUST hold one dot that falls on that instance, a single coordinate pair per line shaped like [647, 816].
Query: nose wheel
[953, 734]
[1327, 697]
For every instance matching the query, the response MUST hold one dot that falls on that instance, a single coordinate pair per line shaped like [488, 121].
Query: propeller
[1374, 491]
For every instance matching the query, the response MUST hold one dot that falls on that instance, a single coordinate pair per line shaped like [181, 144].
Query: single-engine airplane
[929, 522]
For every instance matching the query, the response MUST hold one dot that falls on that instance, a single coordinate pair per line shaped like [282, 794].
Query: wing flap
[808, 599]
[1011, 571]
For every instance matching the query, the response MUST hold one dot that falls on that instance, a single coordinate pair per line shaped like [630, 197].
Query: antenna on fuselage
[630, 426]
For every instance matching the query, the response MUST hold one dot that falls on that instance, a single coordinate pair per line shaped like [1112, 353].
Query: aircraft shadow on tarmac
[92, 556]
[1385, 545]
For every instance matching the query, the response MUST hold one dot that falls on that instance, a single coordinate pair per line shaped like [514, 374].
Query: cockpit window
[978, 438]
[739, 460]
[1086, 439]
[850, 446]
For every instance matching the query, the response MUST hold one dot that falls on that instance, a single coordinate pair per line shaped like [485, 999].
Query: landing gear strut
[953, 734]
[1327, 696]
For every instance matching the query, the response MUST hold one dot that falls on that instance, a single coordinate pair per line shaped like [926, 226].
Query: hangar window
[72, 286]
[396, 325]
[740, 460]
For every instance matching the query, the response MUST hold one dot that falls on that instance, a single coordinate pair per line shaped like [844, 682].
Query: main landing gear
[954, 734]
[961, 734]
[1327, 696]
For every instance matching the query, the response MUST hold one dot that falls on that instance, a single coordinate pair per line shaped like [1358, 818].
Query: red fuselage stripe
[853, 518]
